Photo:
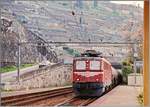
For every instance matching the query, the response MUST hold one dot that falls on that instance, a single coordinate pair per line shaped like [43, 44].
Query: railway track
[28, 99]
[58, 97]
[81, 101]
[78, 101]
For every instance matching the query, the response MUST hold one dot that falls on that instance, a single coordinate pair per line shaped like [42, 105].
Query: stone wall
[48, 77]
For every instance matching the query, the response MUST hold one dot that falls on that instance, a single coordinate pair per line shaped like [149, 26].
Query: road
[8, 76]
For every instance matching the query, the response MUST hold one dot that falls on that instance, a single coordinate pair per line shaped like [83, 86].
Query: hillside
[53, 21]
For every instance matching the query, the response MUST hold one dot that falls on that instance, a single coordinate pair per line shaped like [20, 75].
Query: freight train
[93, 75]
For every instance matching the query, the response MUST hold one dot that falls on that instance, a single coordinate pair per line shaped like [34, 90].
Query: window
[94, 65]
[80, 65]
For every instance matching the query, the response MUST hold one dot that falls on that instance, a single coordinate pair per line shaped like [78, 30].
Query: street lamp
[18, 64]
[135, 55]
[19, 53]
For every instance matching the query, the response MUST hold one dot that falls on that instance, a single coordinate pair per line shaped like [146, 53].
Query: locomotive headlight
[77, 79]
[96, 79]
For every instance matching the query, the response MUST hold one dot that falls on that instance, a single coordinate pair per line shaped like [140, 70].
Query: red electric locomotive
[92, 74]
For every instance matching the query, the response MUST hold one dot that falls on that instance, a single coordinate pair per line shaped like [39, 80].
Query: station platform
[13, 93]
[119, 96]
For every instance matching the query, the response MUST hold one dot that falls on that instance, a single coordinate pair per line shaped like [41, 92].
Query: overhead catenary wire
[84, 42]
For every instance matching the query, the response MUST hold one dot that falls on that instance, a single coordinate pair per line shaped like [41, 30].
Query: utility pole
[79, 4]
[18, 72]
[134, 59]
[95, 3]
[19, 54]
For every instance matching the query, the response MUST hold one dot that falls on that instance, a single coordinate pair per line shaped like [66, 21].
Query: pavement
[119, 96]
[13, 74]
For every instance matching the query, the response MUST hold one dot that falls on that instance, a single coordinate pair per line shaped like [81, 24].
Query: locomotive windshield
[94, 65]
[80, 65]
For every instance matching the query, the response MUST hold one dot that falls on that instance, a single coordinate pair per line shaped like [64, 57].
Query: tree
[126, 69]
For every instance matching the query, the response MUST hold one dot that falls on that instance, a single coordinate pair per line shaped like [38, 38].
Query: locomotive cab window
[94, 65]
[80, 65]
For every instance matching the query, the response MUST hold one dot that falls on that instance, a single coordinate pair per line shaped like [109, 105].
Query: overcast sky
[141, 3]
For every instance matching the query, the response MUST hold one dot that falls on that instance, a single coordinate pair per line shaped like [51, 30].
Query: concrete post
[18, 70]
[135, 55]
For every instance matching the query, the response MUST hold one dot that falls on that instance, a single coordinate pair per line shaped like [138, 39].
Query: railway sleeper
[13, 100]
[34, 99]
[27, 102]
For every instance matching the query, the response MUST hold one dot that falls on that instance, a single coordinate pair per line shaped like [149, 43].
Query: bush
[124, 63]
[140, 98]
[126, 69]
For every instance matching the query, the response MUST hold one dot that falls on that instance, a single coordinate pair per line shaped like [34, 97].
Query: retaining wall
[43, 78]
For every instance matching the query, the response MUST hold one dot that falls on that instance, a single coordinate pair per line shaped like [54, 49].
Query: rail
[27, 99]
[78, 101]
